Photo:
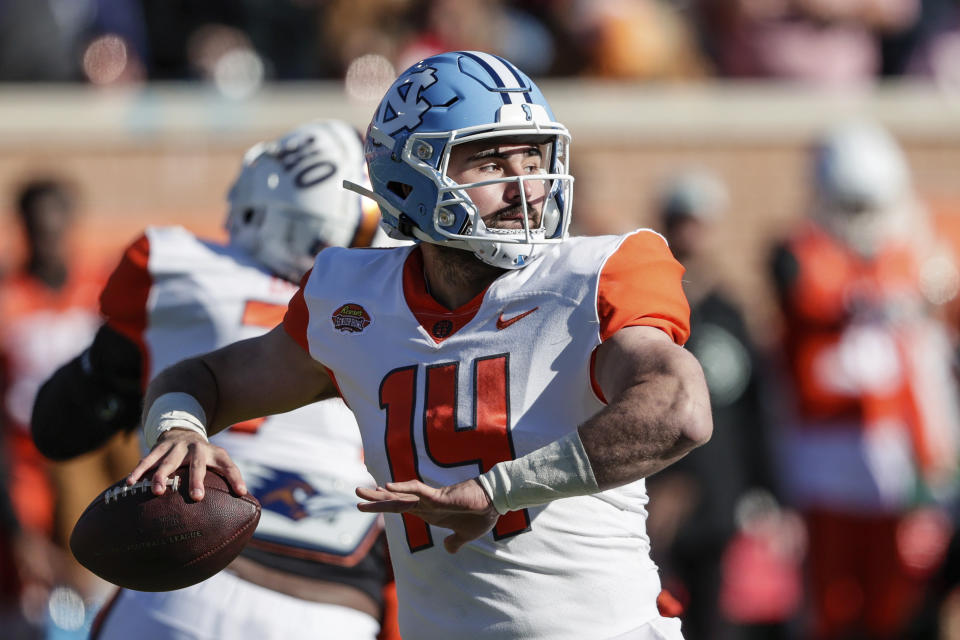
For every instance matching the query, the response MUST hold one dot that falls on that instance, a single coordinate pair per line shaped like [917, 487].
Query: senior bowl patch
[350, 318]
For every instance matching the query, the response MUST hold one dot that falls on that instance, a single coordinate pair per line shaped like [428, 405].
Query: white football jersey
[444, 395]
[178, 296]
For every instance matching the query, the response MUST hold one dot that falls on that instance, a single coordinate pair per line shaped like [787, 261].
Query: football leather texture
[141, 541]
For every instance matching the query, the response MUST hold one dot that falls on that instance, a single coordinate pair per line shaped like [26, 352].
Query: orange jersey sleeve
[123, 302]
[297, 317]
[640, 285]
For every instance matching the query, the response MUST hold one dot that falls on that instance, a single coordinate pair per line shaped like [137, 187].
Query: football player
[872, 431]
[513, 387]
[316, 566]
[48, 314]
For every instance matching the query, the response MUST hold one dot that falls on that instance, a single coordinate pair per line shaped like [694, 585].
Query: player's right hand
[463, 507]
[178, 447]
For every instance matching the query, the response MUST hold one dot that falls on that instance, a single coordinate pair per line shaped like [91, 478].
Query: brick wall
[626, 142]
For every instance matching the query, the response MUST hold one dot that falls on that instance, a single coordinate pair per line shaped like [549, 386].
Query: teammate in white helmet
[861, 186]
[316, 567]
[513, 387]
[870, 429]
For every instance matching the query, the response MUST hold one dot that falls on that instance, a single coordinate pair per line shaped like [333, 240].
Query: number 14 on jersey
[483, 442]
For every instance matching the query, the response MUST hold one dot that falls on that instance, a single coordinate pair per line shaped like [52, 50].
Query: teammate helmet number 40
[456, 98]
[289, 202]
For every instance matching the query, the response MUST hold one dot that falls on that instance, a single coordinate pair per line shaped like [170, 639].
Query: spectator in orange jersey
[871, 442]
[47, 314]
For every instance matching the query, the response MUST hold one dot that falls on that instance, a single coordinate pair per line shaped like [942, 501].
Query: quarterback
[316, 564]
[513, 387]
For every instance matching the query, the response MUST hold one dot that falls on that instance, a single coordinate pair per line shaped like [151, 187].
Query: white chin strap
[505, 255]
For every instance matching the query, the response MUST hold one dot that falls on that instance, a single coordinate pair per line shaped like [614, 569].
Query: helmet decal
[503, 75]
[310, 163]
[403, 106]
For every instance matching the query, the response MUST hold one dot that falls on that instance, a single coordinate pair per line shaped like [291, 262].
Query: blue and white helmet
[450, 99]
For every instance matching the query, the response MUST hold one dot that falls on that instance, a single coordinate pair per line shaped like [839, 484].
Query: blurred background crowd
[819, 41]
[801, 157]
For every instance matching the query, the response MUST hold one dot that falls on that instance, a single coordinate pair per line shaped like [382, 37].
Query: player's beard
[533, 216]
[462, 267]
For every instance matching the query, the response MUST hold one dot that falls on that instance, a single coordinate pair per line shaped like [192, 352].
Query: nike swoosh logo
[503, 324]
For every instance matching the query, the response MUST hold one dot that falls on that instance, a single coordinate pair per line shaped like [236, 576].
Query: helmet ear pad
[551, 215]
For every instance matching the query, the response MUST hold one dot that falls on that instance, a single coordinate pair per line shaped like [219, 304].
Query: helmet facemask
[456, 220]
[541, 197]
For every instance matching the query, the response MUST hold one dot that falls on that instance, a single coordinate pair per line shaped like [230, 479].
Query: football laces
[142, 486]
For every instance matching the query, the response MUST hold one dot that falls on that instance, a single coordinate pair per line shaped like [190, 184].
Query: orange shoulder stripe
[641, 285]
[297, 317]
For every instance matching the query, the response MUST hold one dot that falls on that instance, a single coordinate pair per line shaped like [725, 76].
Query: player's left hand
[178, 447]
[463, 507]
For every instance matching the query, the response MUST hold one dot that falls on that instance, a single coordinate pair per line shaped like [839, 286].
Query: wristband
[175, 410]
[559, 470]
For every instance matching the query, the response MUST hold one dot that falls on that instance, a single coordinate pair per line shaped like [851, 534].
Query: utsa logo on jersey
[286, 494]
[296, 497]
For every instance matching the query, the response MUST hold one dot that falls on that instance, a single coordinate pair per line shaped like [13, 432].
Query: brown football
[137, 540]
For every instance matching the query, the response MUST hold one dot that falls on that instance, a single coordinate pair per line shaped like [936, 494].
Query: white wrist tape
[173, 411]
[559, 470]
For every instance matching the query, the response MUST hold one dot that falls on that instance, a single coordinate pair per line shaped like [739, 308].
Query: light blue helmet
[449, 99]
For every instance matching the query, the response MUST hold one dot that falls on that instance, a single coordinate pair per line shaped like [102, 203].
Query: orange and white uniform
[875, 430]
[40, 329]
[444, 395]
[871, 381]
[177, 296]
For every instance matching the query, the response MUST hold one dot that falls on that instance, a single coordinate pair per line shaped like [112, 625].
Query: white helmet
[288, 202]
[861, 183]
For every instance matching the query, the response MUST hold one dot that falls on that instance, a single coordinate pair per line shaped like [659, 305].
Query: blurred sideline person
[872, 436]
[696, 502]
[316, 567]
[47, 314]
[513, 386]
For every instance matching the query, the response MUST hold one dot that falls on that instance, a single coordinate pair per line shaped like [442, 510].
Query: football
[138, 540]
